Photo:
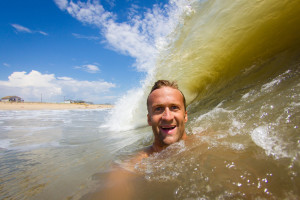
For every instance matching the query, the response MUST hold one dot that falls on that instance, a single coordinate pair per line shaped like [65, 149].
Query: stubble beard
[166, 140]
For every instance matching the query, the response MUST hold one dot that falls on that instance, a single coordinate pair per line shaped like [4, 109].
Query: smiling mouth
[168, 128]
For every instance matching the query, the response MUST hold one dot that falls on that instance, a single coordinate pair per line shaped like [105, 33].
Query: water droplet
[258, 185]
[266, 191]
[265, 180]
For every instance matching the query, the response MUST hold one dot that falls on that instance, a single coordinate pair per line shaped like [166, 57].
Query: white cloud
[53, 89]
[85, 37]
[92, 13]
[43, 33]
[6, 64]
[140, 37]
[20, 28]
[33, 79]
[62, 4]
[89, 68]
[64, 78]
[111, 3]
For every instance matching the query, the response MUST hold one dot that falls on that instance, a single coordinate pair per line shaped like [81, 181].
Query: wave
[214, 45]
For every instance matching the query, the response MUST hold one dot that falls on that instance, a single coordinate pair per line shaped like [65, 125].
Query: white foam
[124, 115]
[263, 137]
[237, 146]
[216, 111]
[5, 143]
[275, 81]
[270, 84]
[236, 127]
[250, 94]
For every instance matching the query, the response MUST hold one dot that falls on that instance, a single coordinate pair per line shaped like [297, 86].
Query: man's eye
[158, 109]
[174, 107]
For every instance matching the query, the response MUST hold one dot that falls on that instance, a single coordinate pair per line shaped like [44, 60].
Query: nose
[167, 114]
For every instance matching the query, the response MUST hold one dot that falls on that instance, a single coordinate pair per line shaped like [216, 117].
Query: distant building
[69, 101]
[12, 99]
[77, 101]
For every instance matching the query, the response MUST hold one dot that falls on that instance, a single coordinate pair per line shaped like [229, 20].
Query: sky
[54, 50]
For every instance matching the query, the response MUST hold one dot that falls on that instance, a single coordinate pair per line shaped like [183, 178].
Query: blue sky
[89, 50]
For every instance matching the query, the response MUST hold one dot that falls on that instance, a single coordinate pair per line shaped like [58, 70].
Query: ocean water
[237, 62]
[49, 154]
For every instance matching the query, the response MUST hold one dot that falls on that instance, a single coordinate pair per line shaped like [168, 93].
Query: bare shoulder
[140, 155]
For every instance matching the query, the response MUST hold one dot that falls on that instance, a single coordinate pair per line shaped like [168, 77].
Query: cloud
[62, 4]
[43, 33]
[141, 37]
[20, 28]
[89, 12]
[89, 68]
[30, 86]
[6, 64]
[64, 78]
[133, 11]
[111, 3]
[85, 37]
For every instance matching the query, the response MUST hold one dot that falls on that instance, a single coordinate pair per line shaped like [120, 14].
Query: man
[166, 114]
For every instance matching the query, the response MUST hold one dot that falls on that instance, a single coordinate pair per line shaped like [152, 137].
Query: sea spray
[130, 111]
[128, 106]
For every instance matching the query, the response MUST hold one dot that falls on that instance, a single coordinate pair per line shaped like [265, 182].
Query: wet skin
[167, 116]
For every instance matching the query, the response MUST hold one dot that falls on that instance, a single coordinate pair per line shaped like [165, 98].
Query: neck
[158, 146]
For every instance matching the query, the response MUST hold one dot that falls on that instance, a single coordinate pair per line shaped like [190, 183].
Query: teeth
[168, 127]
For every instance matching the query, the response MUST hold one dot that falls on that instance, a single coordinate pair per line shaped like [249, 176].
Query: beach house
[12, 99]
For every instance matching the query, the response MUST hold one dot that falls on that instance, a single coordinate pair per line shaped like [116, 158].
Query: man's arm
[122, 182]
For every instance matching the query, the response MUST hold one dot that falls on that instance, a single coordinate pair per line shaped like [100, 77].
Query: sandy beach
[48, 106]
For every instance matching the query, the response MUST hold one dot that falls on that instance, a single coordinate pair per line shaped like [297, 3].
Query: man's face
[167, 115]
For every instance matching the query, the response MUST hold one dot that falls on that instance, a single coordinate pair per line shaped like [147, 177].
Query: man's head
[166, 113]
[165, 83]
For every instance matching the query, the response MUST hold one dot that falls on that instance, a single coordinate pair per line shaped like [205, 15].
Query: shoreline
[50, 106]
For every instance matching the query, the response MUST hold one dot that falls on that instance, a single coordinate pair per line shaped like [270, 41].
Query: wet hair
[165, 83]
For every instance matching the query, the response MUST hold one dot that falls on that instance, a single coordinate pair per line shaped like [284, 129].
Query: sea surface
[238, 64]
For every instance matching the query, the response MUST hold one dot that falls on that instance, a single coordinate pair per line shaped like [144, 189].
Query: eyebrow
[156, 105]
[169, 105]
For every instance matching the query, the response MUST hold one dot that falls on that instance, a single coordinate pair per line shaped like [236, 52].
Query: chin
[169, 141]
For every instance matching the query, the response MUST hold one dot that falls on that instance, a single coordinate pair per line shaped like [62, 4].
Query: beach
[49, 106]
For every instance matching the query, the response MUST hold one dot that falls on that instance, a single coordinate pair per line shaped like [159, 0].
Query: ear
[185, 117]
[149, 120]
